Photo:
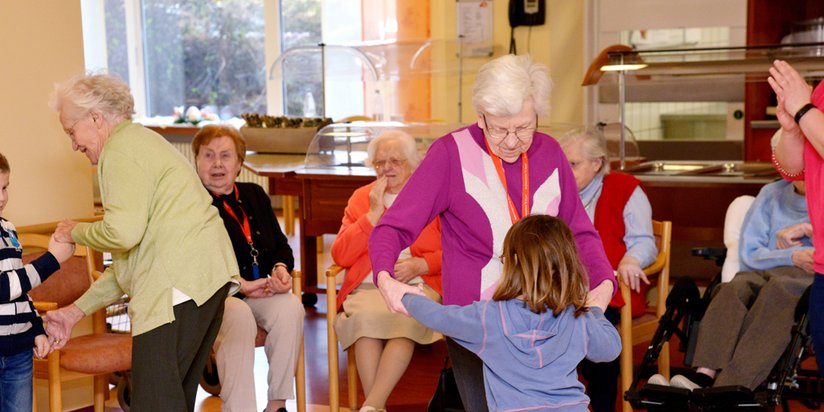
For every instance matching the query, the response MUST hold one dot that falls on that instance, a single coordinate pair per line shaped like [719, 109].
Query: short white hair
[593, 144]
[410, 147]
[102, 93]
[505, 83]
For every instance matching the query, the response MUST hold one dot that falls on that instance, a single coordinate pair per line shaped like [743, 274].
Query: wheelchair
[685, 308]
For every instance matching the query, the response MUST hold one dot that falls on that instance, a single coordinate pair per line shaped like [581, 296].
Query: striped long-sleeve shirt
[19, 321]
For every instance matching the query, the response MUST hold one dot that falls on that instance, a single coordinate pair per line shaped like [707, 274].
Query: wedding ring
[637, 275]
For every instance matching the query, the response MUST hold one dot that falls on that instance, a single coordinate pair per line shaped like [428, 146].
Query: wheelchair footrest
[659, 398]
[727, 398]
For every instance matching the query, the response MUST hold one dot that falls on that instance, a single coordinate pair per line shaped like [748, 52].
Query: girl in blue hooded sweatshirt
[537, 327]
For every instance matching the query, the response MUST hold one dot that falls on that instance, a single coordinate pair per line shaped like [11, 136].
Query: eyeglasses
[70, 130]
[499, 133]
[380, 164]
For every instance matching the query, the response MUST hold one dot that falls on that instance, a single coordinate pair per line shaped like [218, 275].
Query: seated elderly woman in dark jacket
[265, 261]
[383, 341]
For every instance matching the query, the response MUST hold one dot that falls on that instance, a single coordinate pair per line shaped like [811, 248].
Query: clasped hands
[279, 282]
[60, 322]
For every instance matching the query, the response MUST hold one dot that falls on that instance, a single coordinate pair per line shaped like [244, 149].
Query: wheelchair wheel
[124, 392]
[210, 381]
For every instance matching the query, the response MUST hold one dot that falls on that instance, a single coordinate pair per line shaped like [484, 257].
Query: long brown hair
[542, 267]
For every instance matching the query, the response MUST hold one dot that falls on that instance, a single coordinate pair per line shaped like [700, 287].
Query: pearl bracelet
[782, 170]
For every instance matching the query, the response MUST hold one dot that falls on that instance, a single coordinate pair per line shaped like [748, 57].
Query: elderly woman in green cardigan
[170, 251]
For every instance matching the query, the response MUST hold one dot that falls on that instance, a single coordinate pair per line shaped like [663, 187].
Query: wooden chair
[643, 328]
[96, 354]
[210, 381]
[332, 347]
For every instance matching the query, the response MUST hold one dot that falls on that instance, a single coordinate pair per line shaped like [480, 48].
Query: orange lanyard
[499, 167]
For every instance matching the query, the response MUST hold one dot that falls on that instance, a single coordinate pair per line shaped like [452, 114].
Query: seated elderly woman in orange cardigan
[383, 341]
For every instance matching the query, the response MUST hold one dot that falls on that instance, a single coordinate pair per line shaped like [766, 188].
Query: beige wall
[41, 43]
[559, 44]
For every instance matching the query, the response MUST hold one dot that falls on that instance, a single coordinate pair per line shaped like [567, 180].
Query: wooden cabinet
[768, 21]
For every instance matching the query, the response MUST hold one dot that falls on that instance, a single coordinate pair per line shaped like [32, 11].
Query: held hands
[393, 291]
[62, 251]
[258, 288]
[600, 295]
[376, 205]
[630, 272]
[59, 324]
[408, 269]
[789, 236]
[42, 347]
[804, 259]
[63, 233]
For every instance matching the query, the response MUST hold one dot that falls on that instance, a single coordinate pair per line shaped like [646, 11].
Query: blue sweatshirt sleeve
[464, 324]
[602, 340]
[16, 282]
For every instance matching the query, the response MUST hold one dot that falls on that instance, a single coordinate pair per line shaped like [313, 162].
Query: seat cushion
[260, 339]
[98, 353]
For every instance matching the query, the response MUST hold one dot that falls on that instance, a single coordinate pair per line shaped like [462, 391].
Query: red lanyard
[513, 213]
[244, 225]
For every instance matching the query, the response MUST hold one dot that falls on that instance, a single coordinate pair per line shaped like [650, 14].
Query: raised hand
[62, 251]
[789, 86]
[376, 205]
[64, 231]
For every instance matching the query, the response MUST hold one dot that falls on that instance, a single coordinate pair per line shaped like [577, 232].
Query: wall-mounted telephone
[527, 12]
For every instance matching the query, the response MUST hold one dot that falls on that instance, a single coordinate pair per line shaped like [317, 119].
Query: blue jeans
[15, 382]
[816, 315]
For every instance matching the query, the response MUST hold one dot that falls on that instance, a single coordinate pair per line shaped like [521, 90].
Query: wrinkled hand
[258, 288]
[281, 280]
[789, 86]
[63, 233]
[790, 236]
[59, 324]
[600, 296]
[393, 291]
[62, 251]
[376, 205]
[408, 269]
[42, 347]
[804, 259]
[630, 272]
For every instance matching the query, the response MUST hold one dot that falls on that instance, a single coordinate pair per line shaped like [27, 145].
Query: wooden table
[323, 192]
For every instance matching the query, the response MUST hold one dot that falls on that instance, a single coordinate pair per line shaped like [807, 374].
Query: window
[213, 54]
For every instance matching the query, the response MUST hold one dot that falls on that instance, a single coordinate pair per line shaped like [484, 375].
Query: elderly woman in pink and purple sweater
[480, 180]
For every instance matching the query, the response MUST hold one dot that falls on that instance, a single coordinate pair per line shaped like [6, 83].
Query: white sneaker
[681, 381]
[658, 379]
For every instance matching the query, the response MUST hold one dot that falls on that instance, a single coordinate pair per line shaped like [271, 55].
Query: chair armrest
[42, 306]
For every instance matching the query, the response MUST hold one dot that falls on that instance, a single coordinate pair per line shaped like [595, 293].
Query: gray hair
[593, 144]
[409, 146]
[102, 93]
[505, 83]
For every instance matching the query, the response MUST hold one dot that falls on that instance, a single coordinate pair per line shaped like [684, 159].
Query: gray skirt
[365, 315]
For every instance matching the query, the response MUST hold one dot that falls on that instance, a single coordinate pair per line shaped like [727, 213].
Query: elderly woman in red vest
[621, 213]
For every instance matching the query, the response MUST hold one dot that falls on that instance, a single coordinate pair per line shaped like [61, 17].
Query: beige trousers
[282, 317]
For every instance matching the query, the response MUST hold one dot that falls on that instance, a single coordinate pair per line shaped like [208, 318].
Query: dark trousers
[469, 376]
[816, 316]
[602, 378]
[168, 361]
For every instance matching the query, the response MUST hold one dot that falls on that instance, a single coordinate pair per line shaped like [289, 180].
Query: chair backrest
[733, 221]
[67, 284]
